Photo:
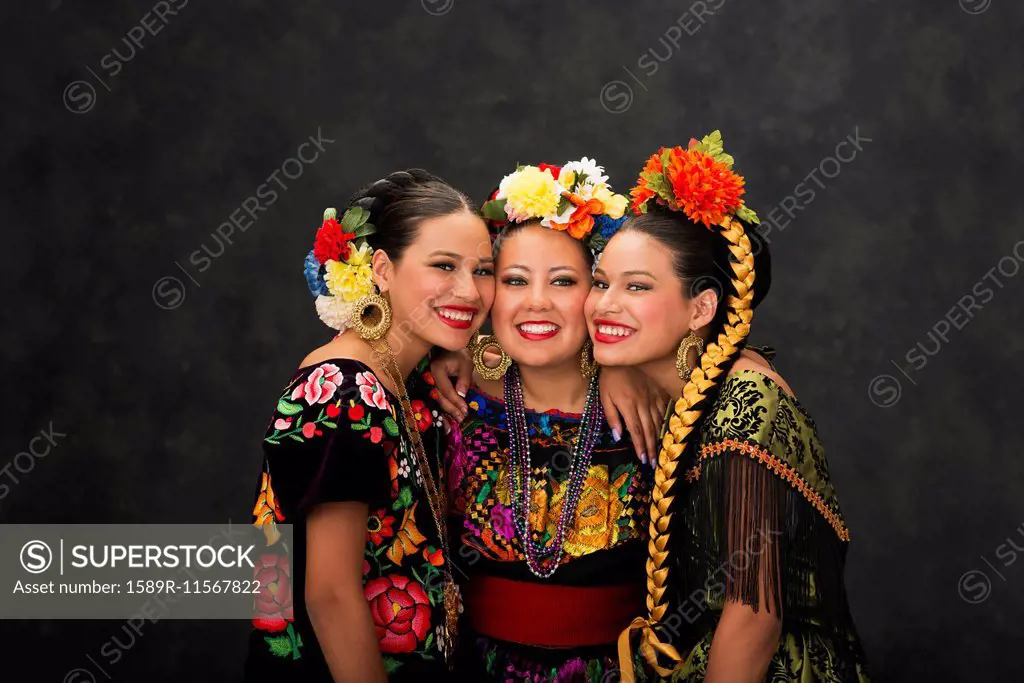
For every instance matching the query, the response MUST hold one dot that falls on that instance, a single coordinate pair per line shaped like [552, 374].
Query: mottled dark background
[112, 183]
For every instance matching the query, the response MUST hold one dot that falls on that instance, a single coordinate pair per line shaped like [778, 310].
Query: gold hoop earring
[588, 366]
[375, 325]
[682, 364]
[484, 342]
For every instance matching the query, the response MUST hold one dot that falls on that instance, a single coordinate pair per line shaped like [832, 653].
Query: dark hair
[510, 229]
[399, 202]
[701, 257]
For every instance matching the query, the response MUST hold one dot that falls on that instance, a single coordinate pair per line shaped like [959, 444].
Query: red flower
[309, 429]
[356, 412]
[333, 410]
[552, 169]
[433, 556]
[376, 434]
[428, 378]
[273, 604]
[379, 526]
[332, 242]
[401, 612]
[320, 386]
[422, 416]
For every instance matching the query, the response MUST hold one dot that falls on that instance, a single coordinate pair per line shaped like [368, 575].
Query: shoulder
[491, 387]
[750, 362]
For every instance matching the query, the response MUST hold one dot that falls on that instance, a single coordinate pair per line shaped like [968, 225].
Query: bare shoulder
[753, 362]
[340, 347]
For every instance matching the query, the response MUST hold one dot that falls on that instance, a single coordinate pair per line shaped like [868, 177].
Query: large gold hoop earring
[377, 322]
[682, 364]
[484, 342]
[588, 366]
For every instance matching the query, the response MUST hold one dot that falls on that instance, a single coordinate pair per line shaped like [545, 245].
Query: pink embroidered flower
[309, 429]
[371, 391]
[501, 521]
[282, 423]
[320, 386]
[376, 434]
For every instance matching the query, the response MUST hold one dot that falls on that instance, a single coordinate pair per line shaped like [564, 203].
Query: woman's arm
[629, 397]
[743, 644]
[337, 607]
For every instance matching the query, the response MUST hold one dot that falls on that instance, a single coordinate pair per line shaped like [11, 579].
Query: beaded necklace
[542, 560]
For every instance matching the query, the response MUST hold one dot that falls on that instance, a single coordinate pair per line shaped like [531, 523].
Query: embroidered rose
[401, 612]
[371, 391]
[273, 604]
[320, 386]
[420, 414]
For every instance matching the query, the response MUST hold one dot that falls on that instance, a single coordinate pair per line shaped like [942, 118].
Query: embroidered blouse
[336, 435]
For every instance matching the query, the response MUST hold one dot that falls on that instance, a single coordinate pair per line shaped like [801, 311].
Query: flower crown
[574, 198]
[338, 268]
[698, 181]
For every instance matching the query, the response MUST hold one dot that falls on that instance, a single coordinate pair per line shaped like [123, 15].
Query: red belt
[546, 615]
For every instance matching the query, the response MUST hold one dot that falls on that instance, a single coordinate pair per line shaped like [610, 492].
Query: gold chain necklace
[436, 497]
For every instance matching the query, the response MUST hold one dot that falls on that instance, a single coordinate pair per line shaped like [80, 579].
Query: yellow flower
[530, 193]
[566, 179]
[614, 204]
[408, 539]
[361, 256]
[347, 281]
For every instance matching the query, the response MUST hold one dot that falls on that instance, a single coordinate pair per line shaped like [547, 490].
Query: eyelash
[632, 286]
[515, 281]
[450, 267]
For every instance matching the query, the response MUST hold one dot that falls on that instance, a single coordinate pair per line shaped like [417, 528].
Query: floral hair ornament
[698, 181]
[574, 198]
[338, 269]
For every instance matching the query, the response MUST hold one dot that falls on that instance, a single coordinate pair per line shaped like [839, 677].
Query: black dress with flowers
[336, 435]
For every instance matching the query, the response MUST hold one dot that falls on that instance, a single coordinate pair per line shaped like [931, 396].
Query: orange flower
[266, 511]
[409, 537]
[642, 192]
[581, 222]
[433, 556]
[706, 189]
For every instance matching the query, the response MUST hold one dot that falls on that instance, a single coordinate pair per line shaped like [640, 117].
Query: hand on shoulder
[752, 361]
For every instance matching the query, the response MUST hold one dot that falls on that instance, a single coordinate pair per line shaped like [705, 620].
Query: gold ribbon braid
[687, 411]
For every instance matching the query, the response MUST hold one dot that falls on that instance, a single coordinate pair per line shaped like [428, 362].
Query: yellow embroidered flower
[347, 281]
[267, 512]
[530, 193]
[614, 204]
[409, 538]
[361, 256]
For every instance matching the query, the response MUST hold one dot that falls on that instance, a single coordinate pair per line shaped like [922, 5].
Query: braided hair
[725, 259]
[400, 201]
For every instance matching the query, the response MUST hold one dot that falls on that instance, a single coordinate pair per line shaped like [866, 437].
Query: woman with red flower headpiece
[748, 544]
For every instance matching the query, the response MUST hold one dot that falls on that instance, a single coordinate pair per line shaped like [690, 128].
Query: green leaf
[280, 646]
[391, 665]
[353, 218]
[296, 437]
[403, 500]
[430, 641]
[563, 205]
[328, 423]
[359, 427]
[273, 441]
[364, 230]
[747, 214]
[286, 408]
[495, 209]
[390, 426]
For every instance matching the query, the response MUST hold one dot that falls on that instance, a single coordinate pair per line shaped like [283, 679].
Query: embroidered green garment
[758, 522]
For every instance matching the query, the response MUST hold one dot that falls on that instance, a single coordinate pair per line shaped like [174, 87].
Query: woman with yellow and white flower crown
[549, 503]
[350, 454]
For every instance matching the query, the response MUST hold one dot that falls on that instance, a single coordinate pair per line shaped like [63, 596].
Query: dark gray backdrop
[120, 166]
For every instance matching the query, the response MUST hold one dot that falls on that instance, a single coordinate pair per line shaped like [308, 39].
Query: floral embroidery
[371, 391]
[401, 612]
[321, 385]
[423, 417]
[380, 526]
[266, 512]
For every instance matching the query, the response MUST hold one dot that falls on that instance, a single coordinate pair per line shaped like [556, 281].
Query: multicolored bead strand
[542, 560]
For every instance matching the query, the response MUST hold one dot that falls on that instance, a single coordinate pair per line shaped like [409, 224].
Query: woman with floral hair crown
[549, 504]
[350, 454]
[747, 542]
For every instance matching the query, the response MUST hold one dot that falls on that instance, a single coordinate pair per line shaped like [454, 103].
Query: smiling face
[637, 311]
[543, 279]
[443, 286]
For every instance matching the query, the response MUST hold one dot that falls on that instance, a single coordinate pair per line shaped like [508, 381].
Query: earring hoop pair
[588, 366]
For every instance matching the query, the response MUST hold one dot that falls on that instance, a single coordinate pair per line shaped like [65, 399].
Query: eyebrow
[459, 257]
[550, 270]
[628, 272]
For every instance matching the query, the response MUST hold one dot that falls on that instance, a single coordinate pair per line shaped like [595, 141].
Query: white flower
[404, 468]
[437, 418]
[334, 312]
[588, 167]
